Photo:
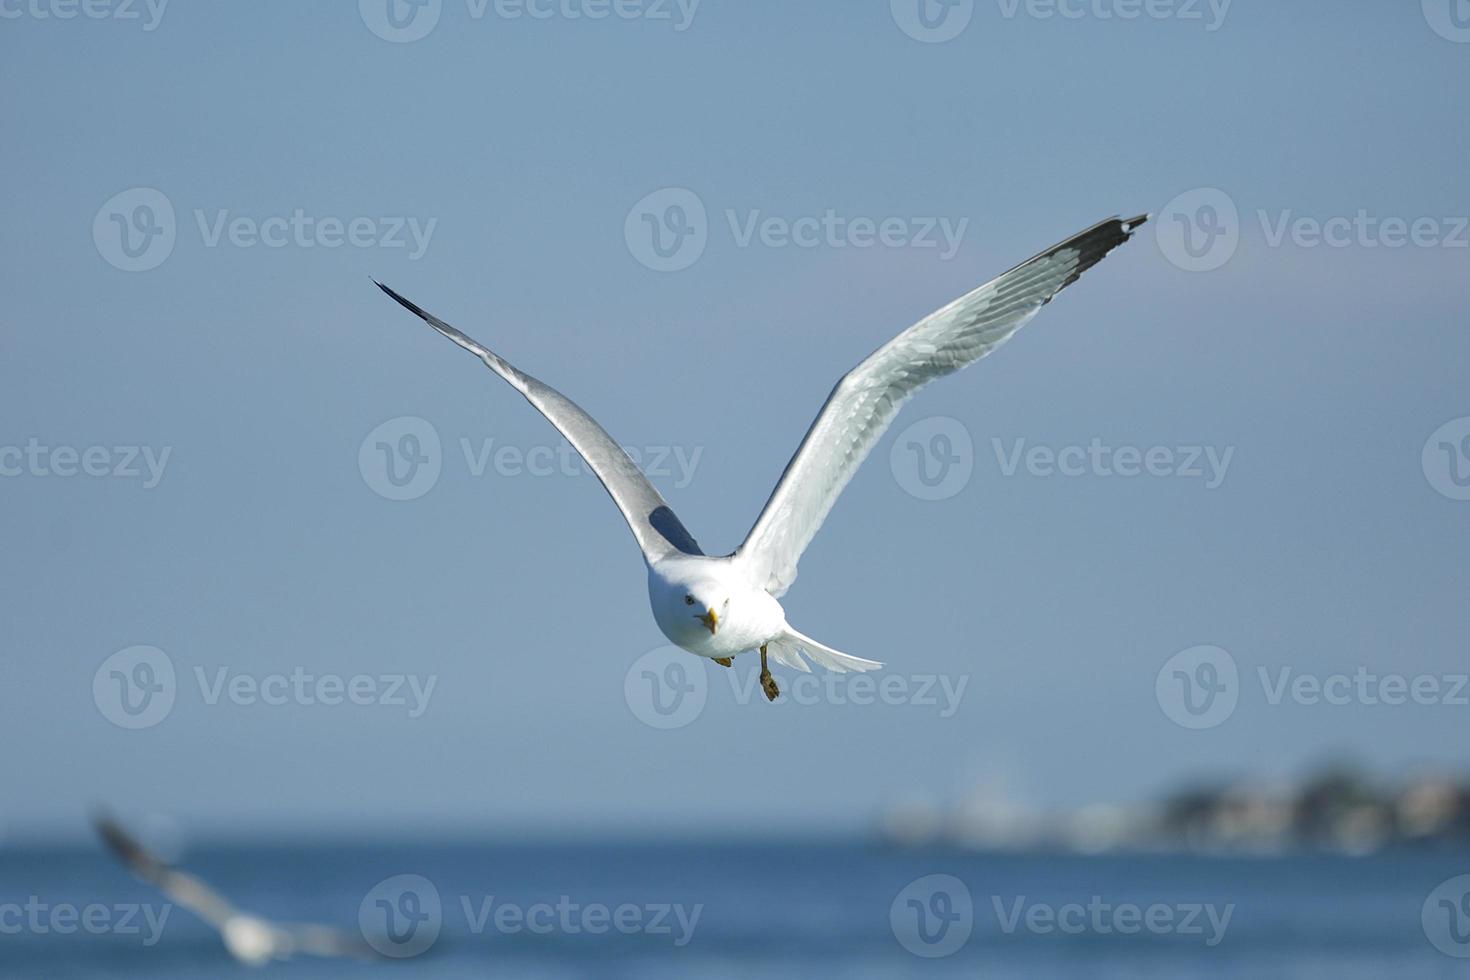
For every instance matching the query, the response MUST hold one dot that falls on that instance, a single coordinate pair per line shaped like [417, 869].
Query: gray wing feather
[658, 530]
[865, 401]
[185, 889]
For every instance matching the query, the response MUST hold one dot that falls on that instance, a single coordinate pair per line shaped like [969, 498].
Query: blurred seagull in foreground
[248, 938]
[720, 607]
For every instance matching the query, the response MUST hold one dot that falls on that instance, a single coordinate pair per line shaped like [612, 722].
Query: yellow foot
[768, 683]
[724, 661]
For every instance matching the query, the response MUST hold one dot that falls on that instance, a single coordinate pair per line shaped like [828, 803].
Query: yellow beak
[711, 620]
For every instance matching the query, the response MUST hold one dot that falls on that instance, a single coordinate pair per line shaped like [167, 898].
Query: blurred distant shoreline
[1338, 809]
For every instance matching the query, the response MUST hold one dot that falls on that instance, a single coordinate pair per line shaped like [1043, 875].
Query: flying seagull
[717, 607]
[250, 939]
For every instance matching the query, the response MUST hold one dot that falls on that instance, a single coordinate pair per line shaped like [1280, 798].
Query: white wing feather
[656, 527]
[865, 401]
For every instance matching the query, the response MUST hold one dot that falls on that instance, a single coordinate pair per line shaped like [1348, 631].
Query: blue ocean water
[779, 910]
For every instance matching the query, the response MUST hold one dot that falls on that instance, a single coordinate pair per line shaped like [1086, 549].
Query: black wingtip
[404, 302]
[118, 840]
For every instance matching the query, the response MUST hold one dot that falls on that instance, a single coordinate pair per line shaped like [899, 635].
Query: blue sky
[520, 150]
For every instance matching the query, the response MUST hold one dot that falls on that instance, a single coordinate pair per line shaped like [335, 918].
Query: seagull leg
[768, 683]
[724, 661]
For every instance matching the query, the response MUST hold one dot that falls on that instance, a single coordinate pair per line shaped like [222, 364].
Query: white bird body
[720, 607]
[749, 617]
[684, 590]
[254, 941]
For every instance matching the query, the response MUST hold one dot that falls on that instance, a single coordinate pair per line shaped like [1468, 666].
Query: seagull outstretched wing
[658, 530]
[865, 401]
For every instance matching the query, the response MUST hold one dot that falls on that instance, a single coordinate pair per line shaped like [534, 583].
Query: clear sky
[299, 148]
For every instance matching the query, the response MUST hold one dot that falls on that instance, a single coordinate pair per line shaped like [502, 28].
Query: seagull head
[702, 603]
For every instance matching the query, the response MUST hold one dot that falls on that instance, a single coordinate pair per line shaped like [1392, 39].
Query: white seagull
[720, 607]
[249, 938]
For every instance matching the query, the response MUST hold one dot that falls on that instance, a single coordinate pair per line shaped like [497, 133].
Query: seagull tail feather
[820, 654]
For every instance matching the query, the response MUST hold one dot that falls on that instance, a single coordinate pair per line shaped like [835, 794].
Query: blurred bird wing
[192, 893]
[185, 889]
[324, 941]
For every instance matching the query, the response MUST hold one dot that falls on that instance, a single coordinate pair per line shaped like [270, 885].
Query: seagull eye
[689, 600]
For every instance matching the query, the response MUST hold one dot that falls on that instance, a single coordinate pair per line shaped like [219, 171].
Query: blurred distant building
[1338, 808]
